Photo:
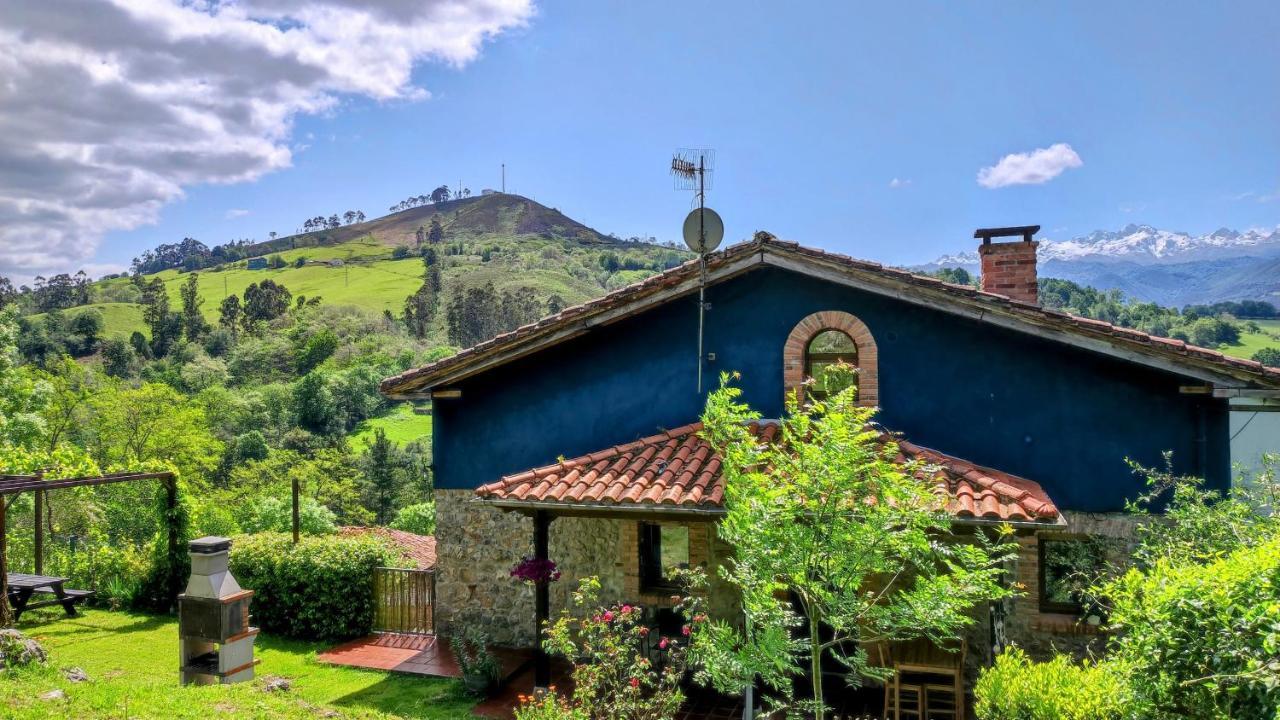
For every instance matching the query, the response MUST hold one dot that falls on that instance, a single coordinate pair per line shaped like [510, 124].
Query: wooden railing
[405, 600]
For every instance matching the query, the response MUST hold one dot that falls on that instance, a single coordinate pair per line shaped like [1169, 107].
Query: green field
[118, 318]
[131, 661]
[401, 425]
[1251, 343]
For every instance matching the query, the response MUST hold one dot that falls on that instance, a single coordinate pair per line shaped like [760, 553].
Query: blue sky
[1170, 108]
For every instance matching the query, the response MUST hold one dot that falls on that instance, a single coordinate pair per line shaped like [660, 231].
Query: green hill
[508, 240]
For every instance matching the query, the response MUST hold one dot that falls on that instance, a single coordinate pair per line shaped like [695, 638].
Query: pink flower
[685, 631]
[635, 682]
[626, 609]
[644, 631]
[662, 645]
[608, 616]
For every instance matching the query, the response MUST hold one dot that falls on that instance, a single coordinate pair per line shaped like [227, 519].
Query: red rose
[635, 682]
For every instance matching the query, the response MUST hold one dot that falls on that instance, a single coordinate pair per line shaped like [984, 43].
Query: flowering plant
[532, 571]
[620, 672]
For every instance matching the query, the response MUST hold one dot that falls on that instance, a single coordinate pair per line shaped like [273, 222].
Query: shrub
[1017, 689]
[419, 519]
[321, 588]
[275, 514]
[481, 671]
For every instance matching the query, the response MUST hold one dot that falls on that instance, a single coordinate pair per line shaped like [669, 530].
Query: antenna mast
[703, 228]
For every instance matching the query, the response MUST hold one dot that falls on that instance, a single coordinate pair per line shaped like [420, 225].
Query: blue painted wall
[1064, 417]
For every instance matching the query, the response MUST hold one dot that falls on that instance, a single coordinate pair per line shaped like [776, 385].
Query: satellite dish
[712, 230]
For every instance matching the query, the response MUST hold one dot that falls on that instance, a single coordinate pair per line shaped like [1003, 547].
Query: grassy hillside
[1251, 343]
[507, 240]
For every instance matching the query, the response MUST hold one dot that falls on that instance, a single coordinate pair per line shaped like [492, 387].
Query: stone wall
[1043, 633]
[476, 545]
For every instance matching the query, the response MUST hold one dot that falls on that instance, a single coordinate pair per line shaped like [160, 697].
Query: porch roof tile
[678, 470]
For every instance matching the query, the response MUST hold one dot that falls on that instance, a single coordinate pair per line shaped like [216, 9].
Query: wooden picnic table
[23, 586]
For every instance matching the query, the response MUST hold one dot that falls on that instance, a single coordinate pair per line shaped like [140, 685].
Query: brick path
[414, 654]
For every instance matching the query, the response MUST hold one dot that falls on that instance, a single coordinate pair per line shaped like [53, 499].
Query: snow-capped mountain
[1146, 244]
[1163, 266]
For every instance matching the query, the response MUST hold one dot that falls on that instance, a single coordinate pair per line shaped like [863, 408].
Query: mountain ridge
[1163, 266]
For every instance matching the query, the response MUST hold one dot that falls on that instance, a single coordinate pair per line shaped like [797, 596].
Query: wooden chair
[903, 700]
[921, 657]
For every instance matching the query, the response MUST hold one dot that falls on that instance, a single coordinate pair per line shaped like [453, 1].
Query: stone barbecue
[214, 636]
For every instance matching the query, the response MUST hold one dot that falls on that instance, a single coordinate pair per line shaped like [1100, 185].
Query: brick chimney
[1009, 268]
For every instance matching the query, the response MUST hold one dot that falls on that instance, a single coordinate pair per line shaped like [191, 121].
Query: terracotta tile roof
[678, 470]
[419, 549]
[579, 318]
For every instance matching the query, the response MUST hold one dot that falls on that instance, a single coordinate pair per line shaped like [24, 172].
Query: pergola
[15, 484]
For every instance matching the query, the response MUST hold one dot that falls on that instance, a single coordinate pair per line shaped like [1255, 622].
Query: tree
[1268, 356]
[314, 405]
[87, 325]
[164, 327]
[230, 313]
[359, 216]
[22, 397]
[192, 319]
[826, 514]
[264, 301]
[333, 221]
[118, 359]
[349, 216]
[420, 236]
[272, 234]
[440, 194]
[384, 474]
[7, 293]
[436, 235]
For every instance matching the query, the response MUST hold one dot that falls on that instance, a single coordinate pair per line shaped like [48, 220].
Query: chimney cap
[210, 545]
[1025, 231]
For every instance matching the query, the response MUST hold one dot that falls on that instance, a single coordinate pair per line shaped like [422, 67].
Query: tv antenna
[703, 228]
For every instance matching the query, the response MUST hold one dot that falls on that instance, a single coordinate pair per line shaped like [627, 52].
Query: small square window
[662, 549]
[1067, 568]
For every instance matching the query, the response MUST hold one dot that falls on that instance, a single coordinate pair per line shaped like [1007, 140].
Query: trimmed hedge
[319, 589]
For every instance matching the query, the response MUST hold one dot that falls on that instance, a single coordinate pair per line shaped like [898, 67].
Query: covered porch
[663, 495]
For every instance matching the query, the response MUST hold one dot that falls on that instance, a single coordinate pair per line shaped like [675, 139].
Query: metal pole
[702, 260]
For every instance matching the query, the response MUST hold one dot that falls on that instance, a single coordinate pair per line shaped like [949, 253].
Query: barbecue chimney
[214, 636]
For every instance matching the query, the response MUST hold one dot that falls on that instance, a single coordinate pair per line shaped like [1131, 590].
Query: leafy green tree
[385, 477]
[314, 405]
[160, 321]
[128, 425]
[1268, 356]
[87, 326]
[118, 358]
[22, 396]
[264, 301]
[800, 524]
[230, 314]
[192, 319]
[316, 349]
[419, 518]
[275, 514]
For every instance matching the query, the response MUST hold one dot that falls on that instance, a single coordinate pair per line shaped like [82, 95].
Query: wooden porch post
[38, 514]
[171, 508]
[542, 603]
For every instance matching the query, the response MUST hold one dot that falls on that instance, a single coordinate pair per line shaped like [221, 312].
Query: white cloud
[898, 183]
[234, 213]
[1030, 168]
[109, 108]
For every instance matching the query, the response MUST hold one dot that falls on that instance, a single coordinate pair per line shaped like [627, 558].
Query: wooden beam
[6, 613]
[1261, 393]
[1196, 389]
[38, 550]
[446, 394]
[9, 486]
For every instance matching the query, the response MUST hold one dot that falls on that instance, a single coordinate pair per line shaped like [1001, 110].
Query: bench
[22, 587]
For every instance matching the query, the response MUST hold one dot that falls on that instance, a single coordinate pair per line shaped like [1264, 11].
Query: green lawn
[401, 425]
[1251, 343]
[131, 661]
[119, 319]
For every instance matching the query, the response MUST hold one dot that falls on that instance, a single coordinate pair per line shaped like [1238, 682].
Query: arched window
[828, 348]
[822, 339]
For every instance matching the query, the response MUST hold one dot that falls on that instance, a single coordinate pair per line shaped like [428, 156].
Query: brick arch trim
[793, 353]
